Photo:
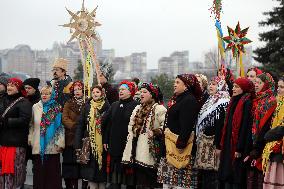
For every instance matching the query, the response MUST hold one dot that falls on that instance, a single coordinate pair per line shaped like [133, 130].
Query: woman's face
[96, 94]
[45, 95]
[251, 75]
[258, 84]
[179, 86]
[280, 89]
[213, 87]
[12, 89]
[200, 83]
[145, 96]
[237, 90]
[124, 93]
[78, 91]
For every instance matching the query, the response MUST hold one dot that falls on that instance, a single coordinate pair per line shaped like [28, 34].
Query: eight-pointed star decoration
[236, 40]
[82, 24]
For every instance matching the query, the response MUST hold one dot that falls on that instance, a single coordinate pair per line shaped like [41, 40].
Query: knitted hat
[4, 81]
[60, 63]
[33, 82]
[129, 85]
[17, 82]
[245, 84]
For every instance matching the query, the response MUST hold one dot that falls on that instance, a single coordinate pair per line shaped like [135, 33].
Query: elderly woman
[71, 113]
[115, 135]
[146, 123]
[263, 107]
[181, 119]
[89, 125]
[235, 134]
[46, 136]
[273, 153]
[14, 128]
[209, 131]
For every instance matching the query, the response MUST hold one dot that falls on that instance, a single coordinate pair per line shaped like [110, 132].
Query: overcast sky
[158, 27]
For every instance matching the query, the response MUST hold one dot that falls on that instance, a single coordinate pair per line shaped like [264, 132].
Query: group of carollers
[243, 118]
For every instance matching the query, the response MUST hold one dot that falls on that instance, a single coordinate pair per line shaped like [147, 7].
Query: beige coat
[34, 134]
[143, 155]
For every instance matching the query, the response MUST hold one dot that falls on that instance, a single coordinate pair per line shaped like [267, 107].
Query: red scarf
[236, 123]
[7, 160]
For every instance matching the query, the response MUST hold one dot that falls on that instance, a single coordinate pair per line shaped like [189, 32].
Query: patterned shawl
[50, 126]
[263, 105]
[94, 129]
[278, 121]
[210, 111]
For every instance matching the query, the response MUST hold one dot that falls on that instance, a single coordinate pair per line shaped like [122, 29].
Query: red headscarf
[264, 104]
[247, 87]
[19, 85]
[130, 86]
[76, 83]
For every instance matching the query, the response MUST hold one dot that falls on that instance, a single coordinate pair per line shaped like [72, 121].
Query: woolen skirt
[274, 177]
[47, 173]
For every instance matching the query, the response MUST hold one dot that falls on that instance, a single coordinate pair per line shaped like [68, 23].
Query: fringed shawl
[210, 111]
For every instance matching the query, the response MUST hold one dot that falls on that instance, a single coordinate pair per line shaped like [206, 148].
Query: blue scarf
[50, 125]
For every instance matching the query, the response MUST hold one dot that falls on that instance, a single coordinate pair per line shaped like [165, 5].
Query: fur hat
[33, 82]
[60, 63]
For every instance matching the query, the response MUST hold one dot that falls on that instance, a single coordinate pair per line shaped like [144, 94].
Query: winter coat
[15, 124]
[70, 116]
[115, 134]
[90, 171]
[34, 133]
[143, 156]
[182, 117]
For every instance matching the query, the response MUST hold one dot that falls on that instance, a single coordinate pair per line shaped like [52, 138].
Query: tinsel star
[236, 40]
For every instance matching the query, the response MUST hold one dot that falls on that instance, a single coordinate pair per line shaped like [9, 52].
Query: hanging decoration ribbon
[236, 41]
[82, 26]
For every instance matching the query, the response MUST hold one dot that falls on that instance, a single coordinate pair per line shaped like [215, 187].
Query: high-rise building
[138, 65]
[19, 59]
[176, 64]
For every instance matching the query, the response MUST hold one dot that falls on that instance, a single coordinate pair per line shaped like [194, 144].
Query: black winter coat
[116, 130]
[90, 171]
[182, 117]
[15, 128]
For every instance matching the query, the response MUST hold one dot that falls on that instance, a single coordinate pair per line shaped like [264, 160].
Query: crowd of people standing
[221, 133]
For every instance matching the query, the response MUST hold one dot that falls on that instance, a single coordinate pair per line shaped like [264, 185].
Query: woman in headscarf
[89, 125]
[209, 124]
[145, 125]
[115, 135]
[46, 136]
[71, 113]
[235, 134]
[14, 128]
[252, 73]
[263, 107]
[203, 82]
[181, 119]
[273, 153]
